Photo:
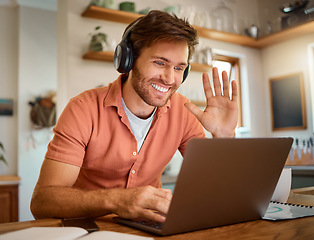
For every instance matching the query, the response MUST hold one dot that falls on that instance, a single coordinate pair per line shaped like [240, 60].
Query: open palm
[221, 113]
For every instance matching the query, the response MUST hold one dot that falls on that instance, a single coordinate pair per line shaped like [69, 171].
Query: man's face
[158, 71]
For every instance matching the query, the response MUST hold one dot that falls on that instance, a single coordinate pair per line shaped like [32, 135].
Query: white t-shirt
[139, 126]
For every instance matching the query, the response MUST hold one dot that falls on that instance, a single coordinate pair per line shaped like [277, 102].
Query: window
[232, 67]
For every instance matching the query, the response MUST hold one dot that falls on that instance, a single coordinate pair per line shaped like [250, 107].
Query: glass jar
[222, 18]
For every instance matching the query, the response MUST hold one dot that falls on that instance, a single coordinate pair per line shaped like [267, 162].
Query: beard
[143, 88]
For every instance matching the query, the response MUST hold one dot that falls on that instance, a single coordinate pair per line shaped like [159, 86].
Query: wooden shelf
[127, 17]
[197, 67]
[100, 56]
[110, 14]
[283, 35]
[108, 57]
[226, 37]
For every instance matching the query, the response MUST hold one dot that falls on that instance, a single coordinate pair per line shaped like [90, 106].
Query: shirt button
[134, 153]
[133, 171]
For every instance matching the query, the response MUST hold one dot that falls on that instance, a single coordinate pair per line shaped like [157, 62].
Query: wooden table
[302, 228]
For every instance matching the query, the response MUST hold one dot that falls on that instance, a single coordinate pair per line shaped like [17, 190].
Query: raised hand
[221, 113]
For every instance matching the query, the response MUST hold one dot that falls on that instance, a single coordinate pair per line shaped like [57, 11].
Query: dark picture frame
[6, 107]
[288, 102]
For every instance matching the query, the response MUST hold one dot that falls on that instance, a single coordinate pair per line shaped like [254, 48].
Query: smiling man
[156, 75]
[112, 144]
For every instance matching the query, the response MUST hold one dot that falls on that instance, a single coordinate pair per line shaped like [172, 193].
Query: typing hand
[221, 113]
[142, 202]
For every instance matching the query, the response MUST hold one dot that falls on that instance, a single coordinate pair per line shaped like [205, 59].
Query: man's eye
[159, 63]
[179, 68]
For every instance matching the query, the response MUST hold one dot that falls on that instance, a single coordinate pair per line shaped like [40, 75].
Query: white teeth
[161, 89]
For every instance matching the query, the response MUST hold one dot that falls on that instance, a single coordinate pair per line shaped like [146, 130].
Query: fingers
[144, 202]
[234, 91]
[153, 215]
[217, 84]
[160, 203]
[206, 85]
[159, 200]
[165, 193]
[225, 84]
[194, 109]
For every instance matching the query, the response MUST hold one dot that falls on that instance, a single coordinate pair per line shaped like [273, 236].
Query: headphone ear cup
[123, 57]
[186, 72]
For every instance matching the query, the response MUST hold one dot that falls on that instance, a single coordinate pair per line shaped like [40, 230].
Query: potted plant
[2, 158]
[98, 41]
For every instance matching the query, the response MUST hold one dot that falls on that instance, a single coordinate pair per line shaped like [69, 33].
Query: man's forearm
[69, 202]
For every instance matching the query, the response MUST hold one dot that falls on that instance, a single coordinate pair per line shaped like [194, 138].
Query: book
[284, 211]
[67, 233]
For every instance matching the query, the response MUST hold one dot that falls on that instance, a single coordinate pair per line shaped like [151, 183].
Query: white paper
[281, 211]
[67, 233]
[47, 233]
[283, 187]
[108, 235]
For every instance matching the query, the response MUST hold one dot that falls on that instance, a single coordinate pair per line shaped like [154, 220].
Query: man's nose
[169, 75]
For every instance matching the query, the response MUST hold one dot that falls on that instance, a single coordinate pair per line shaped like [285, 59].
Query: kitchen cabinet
[9, 199]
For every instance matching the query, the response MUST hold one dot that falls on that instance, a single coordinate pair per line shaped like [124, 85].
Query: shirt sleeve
[71, 134]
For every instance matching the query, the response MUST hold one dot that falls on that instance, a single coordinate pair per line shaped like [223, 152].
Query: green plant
[2, 158]
[98, 40]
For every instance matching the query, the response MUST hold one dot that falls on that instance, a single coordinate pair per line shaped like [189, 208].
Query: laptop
[221, 182]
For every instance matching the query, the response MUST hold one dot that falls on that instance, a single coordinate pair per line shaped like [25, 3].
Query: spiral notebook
[284, 211]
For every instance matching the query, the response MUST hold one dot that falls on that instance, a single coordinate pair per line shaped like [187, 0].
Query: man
[112, 144]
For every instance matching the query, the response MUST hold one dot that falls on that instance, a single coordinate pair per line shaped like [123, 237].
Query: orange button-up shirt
[94, 133]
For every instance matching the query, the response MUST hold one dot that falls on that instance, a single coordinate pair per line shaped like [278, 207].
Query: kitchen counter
[302, 176]
[9, 180]
[302, 170]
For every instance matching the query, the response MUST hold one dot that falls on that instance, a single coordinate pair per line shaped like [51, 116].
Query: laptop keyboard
[149, 223]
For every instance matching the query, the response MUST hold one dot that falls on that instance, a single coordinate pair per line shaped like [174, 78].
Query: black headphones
[124, 54]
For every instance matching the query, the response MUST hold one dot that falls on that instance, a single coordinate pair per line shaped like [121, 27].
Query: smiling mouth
[159, 88]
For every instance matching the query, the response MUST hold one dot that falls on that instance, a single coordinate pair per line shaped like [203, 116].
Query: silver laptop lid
[225, 181]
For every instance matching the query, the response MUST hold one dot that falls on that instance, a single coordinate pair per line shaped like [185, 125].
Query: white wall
[37, 70]
[75, 74]
[8, 84]
[311, 76]
[291, 56]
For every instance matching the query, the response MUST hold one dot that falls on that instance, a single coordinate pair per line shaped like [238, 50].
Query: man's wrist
[111, 199]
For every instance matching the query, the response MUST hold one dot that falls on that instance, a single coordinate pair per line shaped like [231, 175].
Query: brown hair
[157, 26]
